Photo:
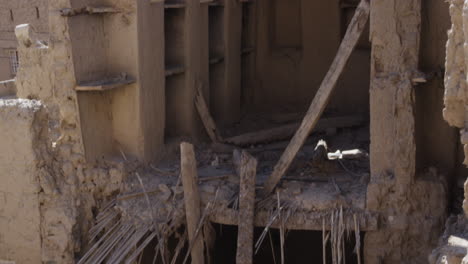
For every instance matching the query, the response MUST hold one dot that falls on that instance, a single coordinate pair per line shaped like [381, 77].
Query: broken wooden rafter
[247, 50]
[174, 70]
[247, 173]
[322, 96]
[286, 131]
[188, 166]
[216, 60]
[206, 118]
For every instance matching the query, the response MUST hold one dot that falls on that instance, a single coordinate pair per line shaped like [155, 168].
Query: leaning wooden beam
[206, 118]
[286, 131]
[322, 96]
[188, 170]
[247, 171]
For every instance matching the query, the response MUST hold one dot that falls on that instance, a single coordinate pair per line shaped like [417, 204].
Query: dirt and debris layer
[311, 196]
[453, 243]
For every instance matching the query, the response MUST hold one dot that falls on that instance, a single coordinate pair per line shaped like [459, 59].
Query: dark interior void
[301, 246]
[296, 42]
[437, 144]
[275, 66]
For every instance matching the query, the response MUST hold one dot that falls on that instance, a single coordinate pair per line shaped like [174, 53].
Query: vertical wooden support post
[247, 171]
[151, 78]
[188, 170]
[228, 106]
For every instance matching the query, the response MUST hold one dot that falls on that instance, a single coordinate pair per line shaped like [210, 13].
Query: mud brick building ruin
[318, 132]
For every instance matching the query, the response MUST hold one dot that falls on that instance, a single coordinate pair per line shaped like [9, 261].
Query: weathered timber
[206, 118]
[105, 84]
[286, 131]
[188, 166]
[247, 169]
[322, 96]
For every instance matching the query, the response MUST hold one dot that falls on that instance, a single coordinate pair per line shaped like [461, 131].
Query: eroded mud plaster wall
[296, 43]
[22, 138]
[455, 98]
[407, 201]
[70, 187]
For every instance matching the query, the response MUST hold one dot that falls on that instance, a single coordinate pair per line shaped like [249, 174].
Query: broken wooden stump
[188, 170]
[286, 131]
[353, 33]
[247, 172]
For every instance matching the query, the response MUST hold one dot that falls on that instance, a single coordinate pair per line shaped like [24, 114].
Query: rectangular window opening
[14, 61]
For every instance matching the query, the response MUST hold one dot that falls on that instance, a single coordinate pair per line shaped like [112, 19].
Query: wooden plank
[206, 118]
[286, 131]
[188, 170]
[105, 84]
[248, 171]
[322, 96]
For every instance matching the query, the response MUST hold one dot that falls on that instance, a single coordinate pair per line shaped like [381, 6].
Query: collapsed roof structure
[316, 133]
